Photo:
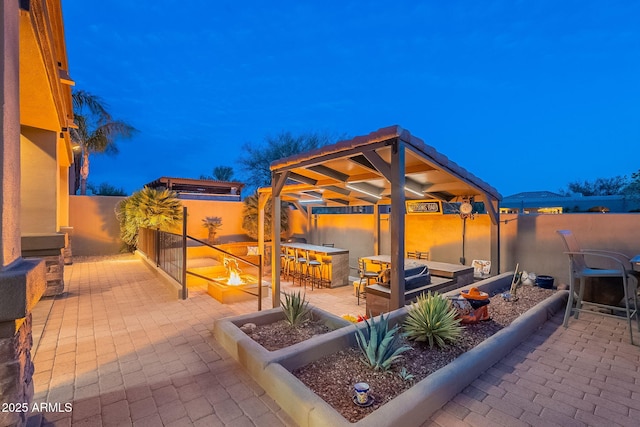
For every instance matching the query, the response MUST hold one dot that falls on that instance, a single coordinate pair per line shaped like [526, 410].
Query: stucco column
[10, 123]
[21, 282]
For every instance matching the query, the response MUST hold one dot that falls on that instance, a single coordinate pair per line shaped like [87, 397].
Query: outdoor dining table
[339, 267]
[461, 274]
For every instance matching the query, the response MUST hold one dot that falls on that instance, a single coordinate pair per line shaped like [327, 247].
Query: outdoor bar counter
[462, 275]
[339, 266]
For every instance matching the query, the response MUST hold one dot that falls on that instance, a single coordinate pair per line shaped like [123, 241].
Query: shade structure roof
[357, 172]
[387, 166]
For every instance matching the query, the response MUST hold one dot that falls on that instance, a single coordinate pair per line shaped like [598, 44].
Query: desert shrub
[432, 318]
[380, 346]
[295, 308]
[212, 224]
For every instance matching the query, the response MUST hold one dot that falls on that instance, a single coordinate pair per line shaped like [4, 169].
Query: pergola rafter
[388, 166]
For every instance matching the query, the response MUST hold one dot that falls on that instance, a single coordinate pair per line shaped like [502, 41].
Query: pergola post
[495, 237]
[275, 253]
[397, 224]
[262, 203]
[278, 180]
[376, 229]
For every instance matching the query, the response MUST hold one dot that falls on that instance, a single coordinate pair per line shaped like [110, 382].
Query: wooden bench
[378, 296]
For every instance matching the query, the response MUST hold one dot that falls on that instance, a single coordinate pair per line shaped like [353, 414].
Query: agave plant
[380, 346]
[432, 318]
[405, 375]
[295, 308]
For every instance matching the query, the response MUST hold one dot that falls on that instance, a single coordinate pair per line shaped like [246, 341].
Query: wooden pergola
[388, 166]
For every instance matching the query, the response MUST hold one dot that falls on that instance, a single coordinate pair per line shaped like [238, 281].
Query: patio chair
[365, 275]
[579, 269]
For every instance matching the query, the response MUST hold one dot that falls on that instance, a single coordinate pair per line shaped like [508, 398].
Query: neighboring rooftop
[549, 202]
[534, 195]
[200, 188]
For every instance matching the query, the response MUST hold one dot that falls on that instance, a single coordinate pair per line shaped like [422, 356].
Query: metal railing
[169, 253]
[220, 255]
[167, 250]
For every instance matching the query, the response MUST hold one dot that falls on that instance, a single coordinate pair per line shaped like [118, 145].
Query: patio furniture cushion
[413, 278]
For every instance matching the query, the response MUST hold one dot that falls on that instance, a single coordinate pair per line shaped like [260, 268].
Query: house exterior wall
[39, 178]
[31, 93]
[10, 123]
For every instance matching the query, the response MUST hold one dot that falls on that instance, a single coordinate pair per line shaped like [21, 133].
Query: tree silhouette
[97, 132]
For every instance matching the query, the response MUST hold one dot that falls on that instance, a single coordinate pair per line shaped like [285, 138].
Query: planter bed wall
[414, 406]
[255, 357]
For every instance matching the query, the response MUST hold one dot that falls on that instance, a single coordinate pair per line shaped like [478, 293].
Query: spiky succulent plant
[379, 345]
[295, 308]
[432, 318]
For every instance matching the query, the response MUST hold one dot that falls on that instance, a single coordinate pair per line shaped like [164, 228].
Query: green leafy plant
[432, 318]
[380, 346]
[251, 212]
[149, 208]
[295, 308]
[212, 224]
[405, 375]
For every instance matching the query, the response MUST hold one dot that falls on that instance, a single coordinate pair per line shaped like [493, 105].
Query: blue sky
[526, 95]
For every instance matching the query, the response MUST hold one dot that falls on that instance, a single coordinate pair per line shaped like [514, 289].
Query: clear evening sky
[527, 95]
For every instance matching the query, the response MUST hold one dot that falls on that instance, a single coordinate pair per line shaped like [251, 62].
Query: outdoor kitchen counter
[339, 266]
[461, 274]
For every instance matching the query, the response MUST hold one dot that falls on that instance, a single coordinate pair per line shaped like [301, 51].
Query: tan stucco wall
[10, 127]
[96, 230]
[230, 212]
[39, 181]
[529, 240]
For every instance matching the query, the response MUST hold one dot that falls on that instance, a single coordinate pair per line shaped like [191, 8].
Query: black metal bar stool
[313, 267]
[301, 269]
[325, 270]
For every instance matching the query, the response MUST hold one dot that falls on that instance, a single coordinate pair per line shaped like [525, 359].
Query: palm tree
[96, 133]
[149, 208]
[220, 173]
[250, 214]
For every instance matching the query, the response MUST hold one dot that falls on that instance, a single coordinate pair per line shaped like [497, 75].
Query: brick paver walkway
[585, 375]
[122, 350]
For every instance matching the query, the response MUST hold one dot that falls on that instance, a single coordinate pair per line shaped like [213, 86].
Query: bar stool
[366, 276]
[287, 257]
[313, 267]
[325, 270]
[300, 269]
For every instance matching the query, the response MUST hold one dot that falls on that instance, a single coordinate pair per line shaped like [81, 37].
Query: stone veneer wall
[16, 372]
[54, 269]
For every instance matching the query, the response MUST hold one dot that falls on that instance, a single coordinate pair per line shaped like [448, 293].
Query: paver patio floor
[123, 350]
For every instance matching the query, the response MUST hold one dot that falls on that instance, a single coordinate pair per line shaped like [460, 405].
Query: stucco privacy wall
[529, 240]
[95, 228]
[97, 232]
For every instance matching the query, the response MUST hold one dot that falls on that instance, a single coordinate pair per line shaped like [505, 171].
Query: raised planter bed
[255, 357]
[273, 370]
